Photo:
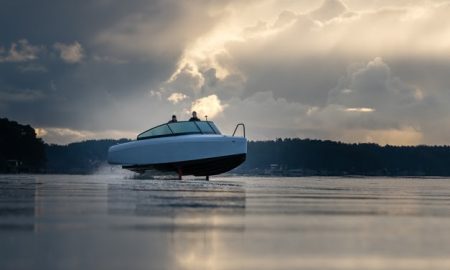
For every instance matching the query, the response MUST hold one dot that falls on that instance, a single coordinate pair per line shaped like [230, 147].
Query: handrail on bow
[243, 128]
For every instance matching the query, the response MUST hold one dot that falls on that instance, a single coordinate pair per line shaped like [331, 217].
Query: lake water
[111, 222]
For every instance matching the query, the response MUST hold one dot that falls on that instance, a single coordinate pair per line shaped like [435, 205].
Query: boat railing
[243, 128]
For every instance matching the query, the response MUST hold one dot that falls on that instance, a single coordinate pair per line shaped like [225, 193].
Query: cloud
[210, 106]
[402, 136]
[330, 9]
[187, 80]
[64, 136]
[363, 110]
[373, 86]
[302, 57]
[156, 94]
[177, 97]
[325, 83]
[369, 104]
[32, 67]
[70, 53]
[267, 117]
[162, 28]
[20, 51]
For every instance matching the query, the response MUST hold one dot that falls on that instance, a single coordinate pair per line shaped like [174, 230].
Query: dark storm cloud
[49, 20]
[65, 63]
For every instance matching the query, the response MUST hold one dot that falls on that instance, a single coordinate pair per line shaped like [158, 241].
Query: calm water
[110, 222]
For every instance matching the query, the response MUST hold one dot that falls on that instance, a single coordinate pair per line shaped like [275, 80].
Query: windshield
[184, 127]
[180, 128]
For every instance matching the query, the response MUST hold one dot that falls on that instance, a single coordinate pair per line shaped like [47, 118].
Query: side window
[216, 130]
[155, 132]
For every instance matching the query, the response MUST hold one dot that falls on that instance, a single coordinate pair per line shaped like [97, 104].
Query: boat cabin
[180, 128]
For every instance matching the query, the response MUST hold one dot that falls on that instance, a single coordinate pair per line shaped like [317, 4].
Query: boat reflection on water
[192, 217]
[175, 199]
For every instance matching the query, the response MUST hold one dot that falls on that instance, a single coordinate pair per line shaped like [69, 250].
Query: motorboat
[186, 147]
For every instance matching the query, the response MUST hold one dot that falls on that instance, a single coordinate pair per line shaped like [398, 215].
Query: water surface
[110, 222]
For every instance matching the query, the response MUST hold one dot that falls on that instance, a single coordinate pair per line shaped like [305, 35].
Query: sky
[345, 70]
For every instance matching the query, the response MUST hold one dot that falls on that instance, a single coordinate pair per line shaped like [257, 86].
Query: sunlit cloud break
[364, 110]
[70, 53]
[177, 97]
[19, 51]
[209, 106]
[67, 135]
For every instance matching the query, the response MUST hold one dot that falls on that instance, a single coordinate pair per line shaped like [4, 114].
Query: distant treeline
[78, 158]
[20, 150]
[286, 157]
[316, 157]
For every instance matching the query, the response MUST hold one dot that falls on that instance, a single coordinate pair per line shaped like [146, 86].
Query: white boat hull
[192, 154]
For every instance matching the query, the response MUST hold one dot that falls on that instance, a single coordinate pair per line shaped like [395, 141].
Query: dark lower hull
[199, 167]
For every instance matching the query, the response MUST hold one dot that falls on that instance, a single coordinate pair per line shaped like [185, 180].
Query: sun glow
[203, 53]
[209, 106]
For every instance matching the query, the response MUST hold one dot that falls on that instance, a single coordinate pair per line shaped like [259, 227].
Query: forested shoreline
[288, 157]
[317, 157]
[22, 151]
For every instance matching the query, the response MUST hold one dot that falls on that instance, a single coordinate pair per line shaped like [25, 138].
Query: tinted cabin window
[184, 128]
[205, 127]
[156, 132]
